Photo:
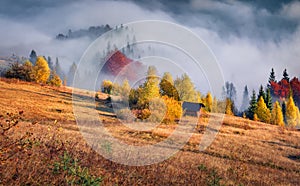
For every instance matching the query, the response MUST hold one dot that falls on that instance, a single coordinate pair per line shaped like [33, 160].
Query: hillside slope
[244, 152]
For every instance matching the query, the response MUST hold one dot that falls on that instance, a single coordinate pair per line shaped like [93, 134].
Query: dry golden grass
[244, 152]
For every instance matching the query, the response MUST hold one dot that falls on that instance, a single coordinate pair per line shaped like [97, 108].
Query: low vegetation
[42, 145]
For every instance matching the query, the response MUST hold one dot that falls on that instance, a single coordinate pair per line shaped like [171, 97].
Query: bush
[173, 110]
[55, 80]
[125, 114]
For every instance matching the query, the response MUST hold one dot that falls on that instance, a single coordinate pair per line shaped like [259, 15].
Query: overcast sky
[247, 37]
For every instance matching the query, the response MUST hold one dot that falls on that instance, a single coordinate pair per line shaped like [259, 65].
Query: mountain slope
[244, 152]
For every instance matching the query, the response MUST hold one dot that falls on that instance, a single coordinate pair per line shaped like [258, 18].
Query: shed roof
[190, 106]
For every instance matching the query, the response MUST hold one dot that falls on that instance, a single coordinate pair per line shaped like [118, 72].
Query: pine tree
[50, 63]
[277, 116]
[263, 113]
[286, 75]
[208, 102]
[59, 70]
[229, 91]
[71, 74]
[291, 112]
[253, 106]
[283, 108]
[33, 57]
[41, 70]
[261, 93]
[246, 100]
[271, 82]
[269, 99]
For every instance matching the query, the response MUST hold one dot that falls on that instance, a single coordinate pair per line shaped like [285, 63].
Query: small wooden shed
[191, 108]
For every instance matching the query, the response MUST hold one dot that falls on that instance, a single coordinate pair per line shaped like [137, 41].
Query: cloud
[247, 37]
[292, 10]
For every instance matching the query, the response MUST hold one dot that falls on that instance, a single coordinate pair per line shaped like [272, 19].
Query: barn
[192, 109]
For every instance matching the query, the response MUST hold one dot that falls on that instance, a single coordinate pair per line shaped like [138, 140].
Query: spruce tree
[59, 70]
[33, 57]
[261, 93]
[269, 99]
[286, 75]
[253, 106]
[277, 116]
[263, 113]
[71, 74]
[245, 102]
[283, 108]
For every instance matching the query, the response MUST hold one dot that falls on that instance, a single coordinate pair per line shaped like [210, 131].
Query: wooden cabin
[192, 109]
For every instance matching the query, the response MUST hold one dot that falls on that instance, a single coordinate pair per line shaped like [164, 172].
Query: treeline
[147, 101]
[41, 70]
[277, 103]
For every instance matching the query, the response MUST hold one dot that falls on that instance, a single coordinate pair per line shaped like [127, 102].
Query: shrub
[55, 80]
[173, 110]
[125, 114]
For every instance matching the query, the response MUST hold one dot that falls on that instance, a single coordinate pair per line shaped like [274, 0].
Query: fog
[248, 38]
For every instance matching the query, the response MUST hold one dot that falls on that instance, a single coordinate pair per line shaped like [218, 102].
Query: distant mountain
[92, 32]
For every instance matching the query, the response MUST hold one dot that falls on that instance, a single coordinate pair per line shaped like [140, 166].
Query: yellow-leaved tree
[292, 112]
[262, 111]
[41, 70]
[208, 102]
[277, 116]
[55, 80]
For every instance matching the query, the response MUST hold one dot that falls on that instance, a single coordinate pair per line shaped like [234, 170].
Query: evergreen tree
[229, 91]
[167, 86]
[41, 70]
[33, 57]
[291, 112]
[186, 89]
[263, 113]
[59, 70]
[272, 82]
[245, 102]
[261, 93]
[283, 108]
[50, 63]
[271, 78]
[253, 106]
[277, 116]
[269, 99]
[71, 74]
[286, 76]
